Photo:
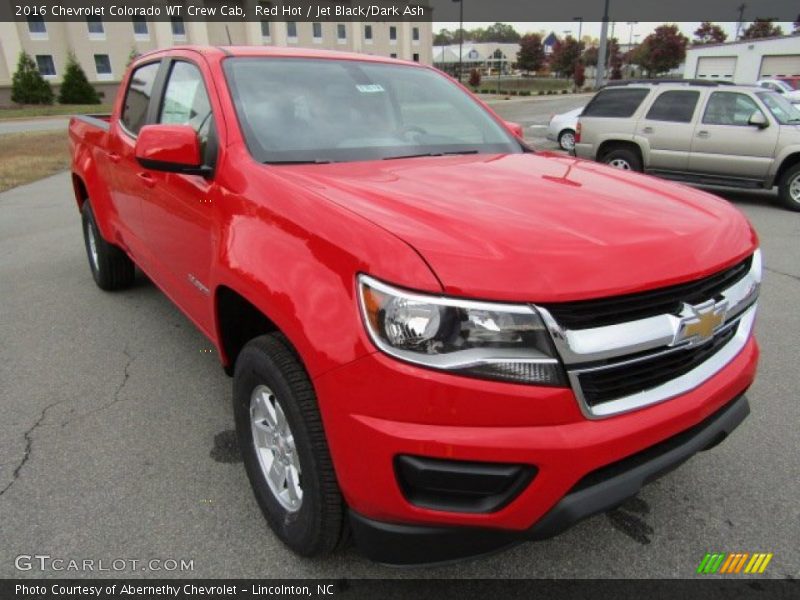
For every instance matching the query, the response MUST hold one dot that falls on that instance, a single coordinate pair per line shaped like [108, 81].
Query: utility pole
[460, 35]
[740, 22]
[601, 52]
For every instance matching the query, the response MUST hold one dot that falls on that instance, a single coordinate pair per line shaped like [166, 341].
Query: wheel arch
[609, 145]
[787, 163]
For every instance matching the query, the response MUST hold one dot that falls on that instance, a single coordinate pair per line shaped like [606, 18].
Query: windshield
[308, 110]
[783, 110]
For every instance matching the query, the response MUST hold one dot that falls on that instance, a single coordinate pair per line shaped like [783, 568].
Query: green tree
[709, 33]
[501, 33]
[662, 50]
[531, 53]
[134, 54]
[27, 85]
[75, 88]
[565, 56]
[761, 28]
[445, 37]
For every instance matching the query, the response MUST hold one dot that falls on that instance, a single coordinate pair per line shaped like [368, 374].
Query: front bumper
[377, 408]
[599, 491]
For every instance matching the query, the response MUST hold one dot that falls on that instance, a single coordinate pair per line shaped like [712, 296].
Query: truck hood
[539, 227]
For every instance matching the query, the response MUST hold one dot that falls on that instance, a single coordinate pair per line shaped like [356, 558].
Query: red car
[439, 339]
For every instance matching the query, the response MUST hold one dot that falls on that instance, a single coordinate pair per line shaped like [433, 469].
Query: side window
[186, 101]
[729, 108]
[675, 106]
[137, 98]
[615, 102]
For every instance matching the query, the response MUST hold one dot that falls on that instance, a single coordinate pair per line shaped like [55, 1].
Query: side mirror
[515, 128]
[170, 148]
[758, 119]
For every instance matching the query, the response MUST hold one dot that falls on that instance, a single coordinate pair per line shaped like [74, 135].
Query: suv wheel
[624, 159]
[283, 445]
[111, 267]
[566, 139]
[789, 188]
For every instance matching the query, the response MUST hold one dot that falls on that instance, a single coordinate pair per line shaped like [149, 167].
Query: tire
[789, 188]
[566, 139]
[111, 268]
[309, 520]
[624, 159]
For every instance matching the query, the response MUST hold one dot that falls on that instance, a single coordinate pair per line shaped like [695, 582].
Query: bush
[541, 92]
[28, 86]
[76, 89]
[565, 91]
[474, 78]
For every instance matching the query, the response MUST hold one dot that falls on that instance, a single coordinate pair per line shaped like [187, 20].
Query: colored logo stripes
[734, 562]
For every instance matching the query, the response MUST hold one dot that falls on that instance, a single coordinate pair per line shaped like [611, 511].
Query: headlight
[507, 342]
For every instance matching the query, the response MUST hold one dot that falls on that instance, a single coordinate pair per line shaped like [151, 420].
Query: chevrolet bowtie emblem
[700, 322]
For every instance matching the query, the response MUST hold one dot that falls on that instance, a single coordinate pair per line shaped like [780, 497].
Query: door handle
[648, 130]
[702, 134]
[114, 157]
[147, 179]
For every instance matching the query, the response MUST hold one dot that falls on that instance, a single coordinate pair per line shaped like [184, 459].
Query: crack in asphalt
[116, 397]
[28, 437]
[790, 275]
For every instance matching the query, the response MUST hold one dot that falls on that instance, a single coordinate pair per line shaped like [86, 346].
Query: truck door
[668, 127]
[178, 212]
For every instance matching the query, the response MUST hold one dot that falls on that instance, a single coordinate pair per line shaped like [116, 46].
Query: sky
[621, 29]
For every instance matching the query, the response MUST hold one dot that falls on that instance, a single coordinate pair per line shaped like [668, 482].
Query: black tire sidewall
[561, 136]
[298, 530]
[87, 221]
[625, 154]
[783, 189]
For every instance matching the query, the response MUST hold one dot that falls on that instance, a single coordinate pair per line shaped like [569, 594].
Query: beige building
[104, 47]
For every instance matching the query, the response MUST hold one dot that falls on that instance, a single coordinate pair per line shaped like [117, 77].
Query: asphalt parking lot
[115, 430]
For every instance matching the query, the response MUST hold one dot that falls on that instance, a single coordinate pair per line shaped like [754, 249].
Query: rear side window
[676, 106]
[137, 98]
[615, 103]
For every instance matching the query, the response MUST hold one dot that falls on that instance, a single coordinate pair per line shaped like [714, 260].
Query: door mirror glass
[758, 119]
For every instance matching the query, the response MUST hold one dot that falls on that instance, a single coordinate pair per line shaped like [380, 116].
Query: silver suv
[696, 132]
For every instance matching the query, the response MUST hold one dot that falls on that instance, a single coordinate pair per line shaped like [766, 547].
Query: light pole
[580, 26]
[630, 47]
[601, 51]
[460, 35]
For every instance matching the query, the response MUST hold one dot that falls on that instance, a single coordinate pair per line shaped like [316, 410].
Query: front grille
[669, 300]
[613, 382]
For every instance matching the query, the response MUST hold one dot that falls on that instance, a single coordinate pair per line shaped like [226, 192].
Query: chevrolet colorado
[440, 341]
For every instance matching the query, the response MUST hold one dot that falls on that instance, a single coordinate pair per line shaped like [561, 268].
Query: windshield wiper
[316, 161]
[431, 154]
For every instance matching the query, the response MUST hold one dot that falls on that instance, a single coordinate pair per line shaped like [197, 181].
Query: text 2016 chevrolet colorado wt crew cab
[439, 339]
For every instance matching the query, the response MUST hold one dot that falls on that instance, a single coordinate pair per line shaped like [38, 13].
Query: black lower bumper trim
[602, 490]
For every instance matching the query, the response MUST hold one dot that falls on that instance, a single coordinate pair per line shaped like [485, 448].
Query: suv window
[729, 108]
[137, 98]
[186, 101]
[677, 106]
[615, 102]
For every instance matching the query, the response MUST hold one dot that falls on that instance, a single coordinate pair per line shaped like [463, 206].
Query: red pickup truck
[440, 340]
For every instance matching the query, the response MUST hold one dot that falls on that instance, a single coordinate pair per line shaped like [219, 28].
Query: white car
[783, 88]
[562, 128]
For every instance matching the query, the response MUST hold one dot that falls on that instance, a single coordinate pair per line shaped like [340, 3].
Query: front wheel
[284, 448]
[624, 159]
[789, 188]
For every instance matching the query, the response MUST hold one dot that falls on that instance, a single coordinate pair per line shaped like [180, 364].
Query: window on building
[368, 32]
[393, 55]
[291, 29]
[265, 29]
[45, 64]
[95, 25]
[137, 98]
[178, 26]
[37, 25]
[416, 56]
[393, 33]
[675, 106]
[317, 27]
[729, 108]
[415, 34]
[102, 64]
[140, 26]
[341, 32]
[620, 103]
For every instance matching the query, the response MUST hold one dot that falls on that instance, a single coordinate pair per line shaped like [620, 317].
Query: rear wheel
[284, 447]
[111, 268]
[789, 188]
[624, 159]
[566, 139]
